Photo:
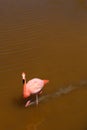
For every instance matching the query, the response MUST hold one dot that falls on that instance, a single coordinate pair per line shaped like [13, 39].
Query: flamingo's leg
[40, 92]
[27, 103]
[37, 99]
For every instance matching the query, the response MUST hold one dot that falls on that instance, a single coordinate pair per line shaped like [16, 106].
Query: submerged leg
[37, 99]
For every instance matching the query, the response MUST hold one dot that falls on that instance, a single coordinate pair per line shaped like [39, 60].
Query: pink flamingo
[33, 86]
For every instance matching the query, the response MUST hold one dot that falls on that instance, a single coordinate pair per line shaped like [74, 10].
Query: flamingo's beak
[46, 81]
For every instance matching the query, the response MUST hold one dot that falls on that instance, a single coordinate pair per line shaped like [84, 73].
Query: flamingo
[33, 86]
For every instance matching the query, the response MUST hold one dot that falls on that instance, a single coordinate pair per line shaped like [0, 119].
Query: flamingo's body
[33, 86]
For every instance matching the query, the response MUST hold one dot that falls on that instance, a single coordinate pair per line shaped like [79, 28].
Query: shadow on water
[63, 90]
[43, 98]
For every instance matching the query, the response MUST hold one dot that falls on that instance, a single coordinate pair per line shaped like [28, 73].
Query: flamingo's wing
[35, 85]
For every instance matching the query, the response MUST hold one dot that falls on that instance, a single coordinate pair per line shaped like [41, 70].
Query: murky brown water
[46, 39]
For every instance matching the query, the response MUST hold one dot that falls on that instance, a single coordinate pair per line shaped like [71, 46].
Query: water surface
[46, 39]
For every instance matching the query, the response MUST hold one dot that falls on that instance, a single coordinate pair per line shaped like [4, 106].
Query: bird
[32, 87]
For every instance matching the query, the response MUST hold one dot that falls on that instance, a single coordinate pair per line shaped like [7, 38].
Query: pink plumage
[35, 85]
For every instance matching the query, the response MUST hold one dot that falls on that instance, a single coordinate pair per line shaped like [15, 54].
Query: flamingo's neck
[24, 81]
[26, 92]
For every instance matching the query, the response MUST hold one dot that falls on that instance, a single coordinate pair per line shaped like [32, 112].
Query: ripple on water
[13, 55]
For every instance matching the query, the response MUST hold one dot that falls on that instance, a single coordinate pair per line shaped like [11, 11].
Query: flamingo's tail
[46, 81]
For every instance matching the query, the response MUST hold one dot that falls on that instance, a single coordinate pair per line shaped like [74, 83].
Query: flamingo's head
[23, 75]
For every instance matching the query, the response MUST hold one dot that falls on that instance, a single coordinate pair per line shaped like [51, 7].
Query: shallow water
[48, 40]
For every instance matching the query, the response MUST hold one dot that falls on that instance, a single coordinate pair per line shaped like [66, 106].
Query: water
[48, 40]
